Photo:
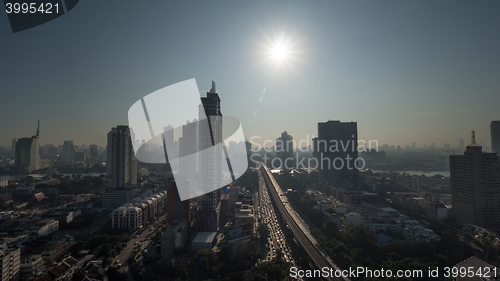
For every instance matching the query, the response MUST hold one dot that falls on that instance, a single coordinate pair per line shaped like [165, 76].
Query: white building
[4, 183]
[127, 216]
[44, 227]
[10, 263]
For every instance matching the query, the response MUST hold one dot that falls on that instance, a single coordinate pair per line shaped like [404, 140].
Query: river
[39, 176]
[419, 173]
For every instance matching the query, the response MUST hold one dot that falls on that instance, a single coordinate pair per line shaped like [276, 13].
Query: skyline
[404, 72]
[306, 143]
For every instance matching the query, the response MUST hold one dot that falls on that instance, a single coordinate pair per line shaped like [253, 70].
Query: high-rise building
[284, 151]
[210, 178]
[475, 187]
[69, 150]
[93, 152]
[248, 146]
[177, 209]
[80, 156]
[495, 136]
[121, 162]
[13, 149]
[188, 146]
[461, 145]
[27, 153]
[337, 150]
[10, 263]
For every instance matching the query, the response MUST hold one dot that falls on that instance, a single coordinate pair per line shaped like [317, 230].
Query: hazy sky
[406, 71]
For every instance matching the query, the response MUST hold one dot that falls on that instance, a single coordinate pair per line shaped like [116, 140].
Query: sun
[280, 52]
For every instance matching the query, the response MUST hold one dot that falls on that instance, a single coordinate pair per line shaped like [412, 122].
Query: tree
[360, 237]
[114, 274]
[330, 229]
[77, 247]
[263, 231]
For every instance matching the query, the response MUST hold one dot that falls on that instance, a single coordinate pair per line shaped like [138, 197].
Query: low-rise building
[127, 216]
[61, 272]
[116, 197]
[44, 227]
[204, 240]
[32, 265]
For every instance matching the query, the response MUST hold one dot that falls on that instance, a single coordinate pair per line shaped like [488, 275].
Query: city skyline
[307, 142]
[401, 78]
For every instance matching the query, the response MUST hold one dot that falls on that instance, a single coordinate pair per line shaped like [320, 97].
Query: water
[419, 173]
[39, 176]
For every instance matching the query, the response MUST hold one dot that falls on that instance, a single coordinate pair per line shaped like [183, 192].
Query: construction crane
[473, 139]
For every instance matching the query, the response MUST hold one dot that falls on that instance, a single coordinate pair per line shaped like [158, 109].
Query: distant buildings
[188, 146]
[372, 155]
[495, 136]
[27, 153]
[68, 151]
[337, 146]
[93, 153]
[121, 163]
[284, 151]
[475, 187]
[386, 218]
[461, 145]
[13, 149]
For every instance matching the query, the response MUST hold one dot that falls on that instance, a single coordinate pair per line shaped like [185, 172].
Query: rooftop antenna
[38, 129]
[473, 139]
[213, 88]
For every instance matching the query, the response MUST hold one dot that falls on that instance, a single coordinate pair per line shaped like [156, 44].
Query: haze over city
[406, 72]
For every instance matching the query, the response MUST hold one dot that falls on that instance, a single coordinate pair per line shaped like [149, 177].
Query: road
[266, 214]
[299, 228]
[127, 251]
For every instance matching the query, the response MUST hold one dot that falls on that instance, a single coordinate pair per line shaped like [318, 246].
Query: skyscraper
[188, 146]
[461, 145]
[27, 153]
[93, 152]
[13, 149]
[475, 187]
[177, 209]
[495, 136]
[69, 150]
[209, 136]
[121, 163]
[284, 150]
[337, 150]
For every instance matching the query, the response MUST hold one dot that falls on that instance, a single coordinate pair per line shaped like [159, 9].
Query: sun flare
[280, 52]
